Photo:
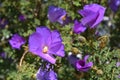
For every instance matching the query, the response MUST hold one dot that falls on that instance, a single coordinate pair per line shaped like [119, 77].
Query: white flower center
[45, 49]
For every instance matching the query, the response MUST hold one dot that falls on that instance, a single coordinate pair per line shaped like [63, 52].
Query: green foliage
[104, 50]
[25, 72]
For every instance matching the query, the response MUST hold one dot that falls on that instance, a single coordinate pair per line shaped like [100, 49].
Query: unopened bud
[75, 50]
[94, 67]
[103, 40]
[99, 72]
[82, 39]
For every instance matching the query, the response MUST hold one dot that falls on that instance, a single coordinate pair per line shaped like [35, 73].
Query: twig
[21, 60]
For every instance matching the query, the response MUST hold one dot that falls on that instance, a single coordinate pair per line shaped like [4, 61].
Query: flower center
[64, 17]
[45, 49]
[82, 63]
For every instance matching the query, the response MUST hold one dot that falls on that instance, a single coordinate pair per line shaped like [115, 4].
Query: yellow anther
[64, 17]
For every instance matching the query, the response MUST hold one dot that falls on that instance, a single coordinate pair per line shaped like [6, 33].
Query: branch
[21, 60]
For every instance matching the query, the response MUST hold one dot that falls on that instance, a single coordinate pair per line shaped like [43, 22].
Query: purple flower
[22, 17]
[118, 64]
[44, 74]
[3, 23]
[78, 27]
[56, 14]
[114, 5]
[82, 65]
[72, 60]
[16, 41]
[46, 44]
[3, 55]
[92, 15]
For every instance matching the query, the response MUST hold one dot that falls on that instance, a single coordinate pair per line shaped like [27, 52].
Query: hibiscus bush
[59, 40]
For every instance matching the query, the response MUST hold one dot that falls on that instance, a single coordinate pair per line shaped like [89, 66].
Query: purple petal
[78, 27]
[72, 60]
[90, 64]
[48, 57]
[84, 69]
[114, 4]
[100, 17]
[86, 57]
[45, 33]
[61, 51]
[36, 43]
[92, 15]
[51, 75]
[80, 64]
[56, 36]
[93, 8]
[40, 74]
[55, 13]
[85, 12]
[44, 74]
[43, 30]
[90, 19]
[57, 49]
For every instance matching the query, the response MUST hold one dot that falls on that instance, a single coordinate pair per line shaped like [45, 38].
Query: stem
[21, 60]
[112, 74]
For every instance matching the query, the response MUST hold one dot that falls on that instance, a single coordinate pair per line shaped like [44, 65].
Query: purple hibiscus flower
[22, 17]
[78, 27]
[56, 14]
[92, 15]
[3, 22]
[46, 44]
[16, 41]
[44, 74]
[114, 4]
[82, 65]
